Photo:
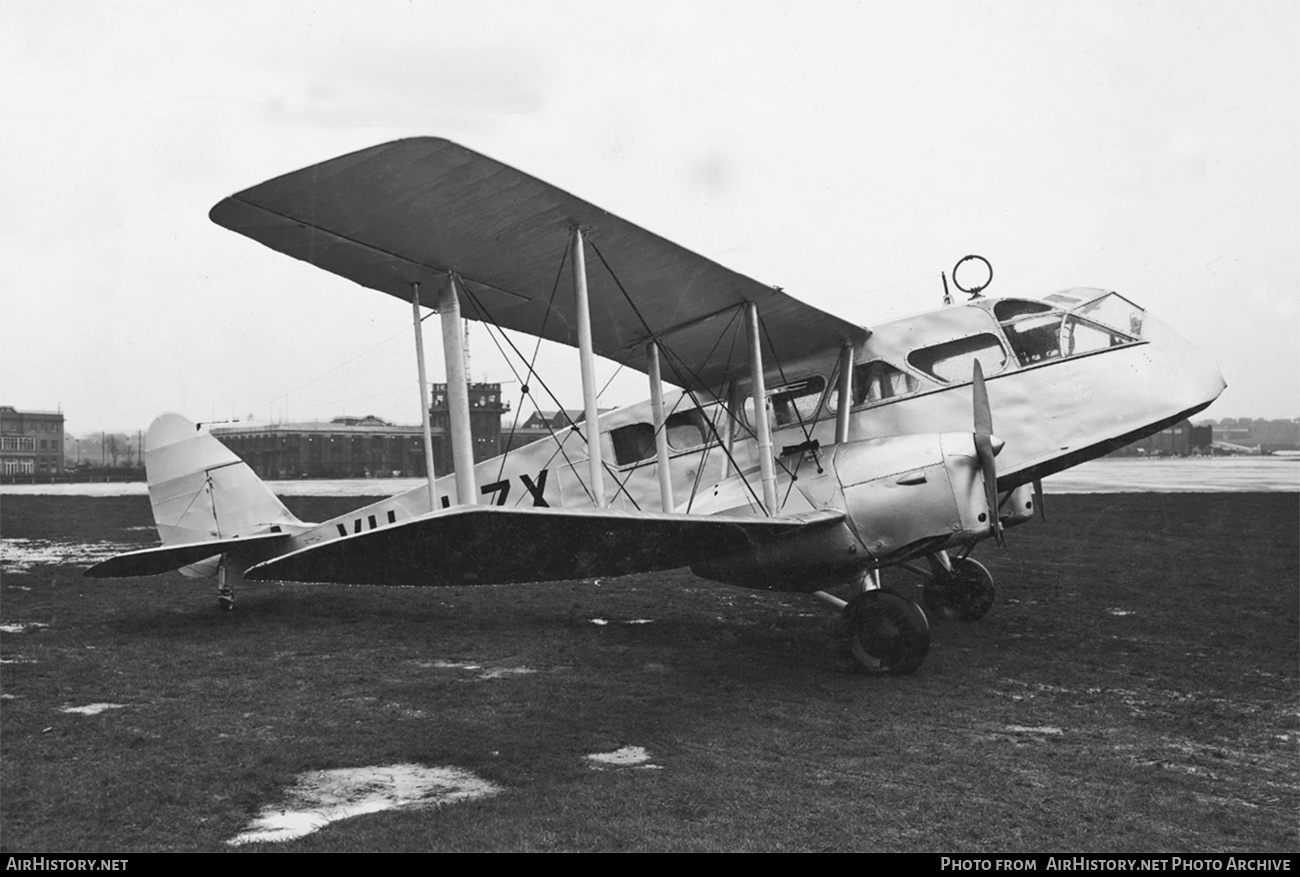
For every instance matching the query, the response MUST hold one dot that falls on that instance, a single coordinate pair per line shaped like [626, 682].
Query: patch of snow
[451, 665]
[322, 797]
[489, 673]
[628, 756]
[21, 627]
[503, 672]
[20, 555]
[93, 709]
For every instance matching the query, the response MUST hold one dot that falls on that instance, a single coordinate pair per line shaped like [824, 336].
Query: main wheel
[888, 633]
[965, 594]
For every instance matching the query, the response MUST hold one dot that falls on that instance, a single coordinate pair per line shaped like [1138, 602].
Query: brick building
[31, 442]
[365, 447]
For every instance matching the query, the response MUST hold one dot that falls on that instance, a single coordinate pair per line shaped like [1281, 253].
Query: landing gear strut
[885, 631]
[225, 593]
[888, 633]
[962, 590]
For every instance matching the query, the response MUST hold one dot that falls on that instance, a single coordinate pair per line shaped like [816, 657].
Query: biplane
[781, 447]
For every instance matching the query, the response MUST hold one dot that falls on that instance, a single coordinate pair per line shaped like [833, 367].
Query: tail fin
[209, 508]
[201, 491]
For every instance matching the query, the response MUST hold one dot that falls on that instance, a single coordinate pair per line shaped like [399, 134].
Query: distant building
[1178, 440]
[485, 410]
[541, 425]
[1264, 436]
[31, 442]
[365, 447]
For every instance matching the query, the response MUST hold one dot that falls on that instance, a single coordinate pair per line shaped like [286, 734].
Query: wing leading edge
[484, 545]
[417, 210]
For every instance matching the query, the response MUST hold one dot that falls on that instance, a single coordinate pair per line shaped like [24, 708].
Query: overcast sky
[847, 152]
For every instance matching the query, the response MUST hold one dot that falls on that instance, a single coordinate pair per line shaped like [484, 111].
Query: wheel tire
[965, 595]
[887, 633]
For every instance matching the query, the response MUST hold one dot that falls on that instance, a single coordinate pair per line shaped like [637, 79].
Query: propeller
[985, 451]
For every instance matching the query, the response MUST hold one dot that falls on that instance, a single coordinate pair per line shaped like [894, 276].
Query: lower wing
[496, 545]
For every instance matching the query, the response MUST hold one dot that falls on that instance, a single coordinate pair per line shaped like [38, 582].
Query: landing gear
[225, 593]
[963, 590]
[888, 633]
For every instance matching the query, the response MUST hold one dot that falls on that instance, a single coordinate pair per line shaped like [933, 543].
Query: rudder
[201, 491]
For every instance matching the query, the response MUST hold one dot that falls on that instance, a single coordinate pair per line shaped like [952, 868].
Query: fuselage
[1069, 378]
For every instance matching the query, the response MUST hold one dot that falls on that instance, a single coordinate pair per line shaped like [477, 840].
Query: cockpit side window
[954, 361]
[1108, 321]
[1081, 336]
[1032, 327]
[1116, 312]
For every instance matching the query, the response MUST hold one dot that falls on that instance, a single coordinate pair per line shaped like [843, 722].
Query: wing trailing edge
[496, 545]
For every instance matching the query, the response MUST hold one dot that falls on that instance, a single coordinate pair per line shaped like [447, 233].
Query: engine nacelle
[912, 495]
[1017, 507]
[904, 496]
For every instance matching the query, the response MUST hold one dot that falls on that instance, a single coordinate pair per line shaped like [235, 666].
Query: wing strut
[846, 395]
[759, 389]
[424, 396]
[453, 351]
[587, 360]
[661, 432]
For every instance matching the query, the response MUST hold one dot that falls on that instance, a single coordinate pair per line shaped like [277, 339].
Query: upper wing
[413, 211]
[486, 545]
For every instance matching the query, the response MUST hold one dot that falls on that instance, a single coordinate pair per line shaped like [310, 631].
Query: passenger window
[874, 382]
[687, 429]
[633, 443]
[954, 361]
[797, 402]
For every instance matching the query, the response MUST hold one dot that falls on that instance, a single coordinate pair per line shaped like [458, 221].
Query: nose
[1194, 377]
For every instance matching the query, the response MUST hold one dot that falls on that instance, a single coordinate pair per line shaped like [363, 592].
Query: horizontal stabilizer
[482, 545]
[156, 561]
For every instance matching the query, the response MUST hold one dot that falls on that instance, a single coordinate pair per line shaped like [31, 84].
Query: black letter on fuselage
[537, 489]
[503, 486]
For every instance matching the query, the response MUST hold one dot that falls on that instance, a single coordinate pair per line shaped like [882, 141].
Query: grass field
[1134, 689]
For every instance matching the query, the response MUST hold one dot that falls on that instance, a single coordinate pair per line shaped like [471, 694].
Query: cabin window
[877, 381]
[874, 382]
[954, 361]
[687, 429]
[1032, 328]
[796, 402]
[633, 443]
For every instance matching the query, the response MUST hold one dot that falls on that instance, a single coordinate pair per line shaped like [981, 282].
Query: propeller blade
[983, 414]
[1038, 498]
[984, 450]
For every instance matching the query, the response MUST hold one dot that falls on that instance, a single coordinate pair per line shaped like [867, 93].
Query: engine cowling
[911, 495]
[904, 496]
